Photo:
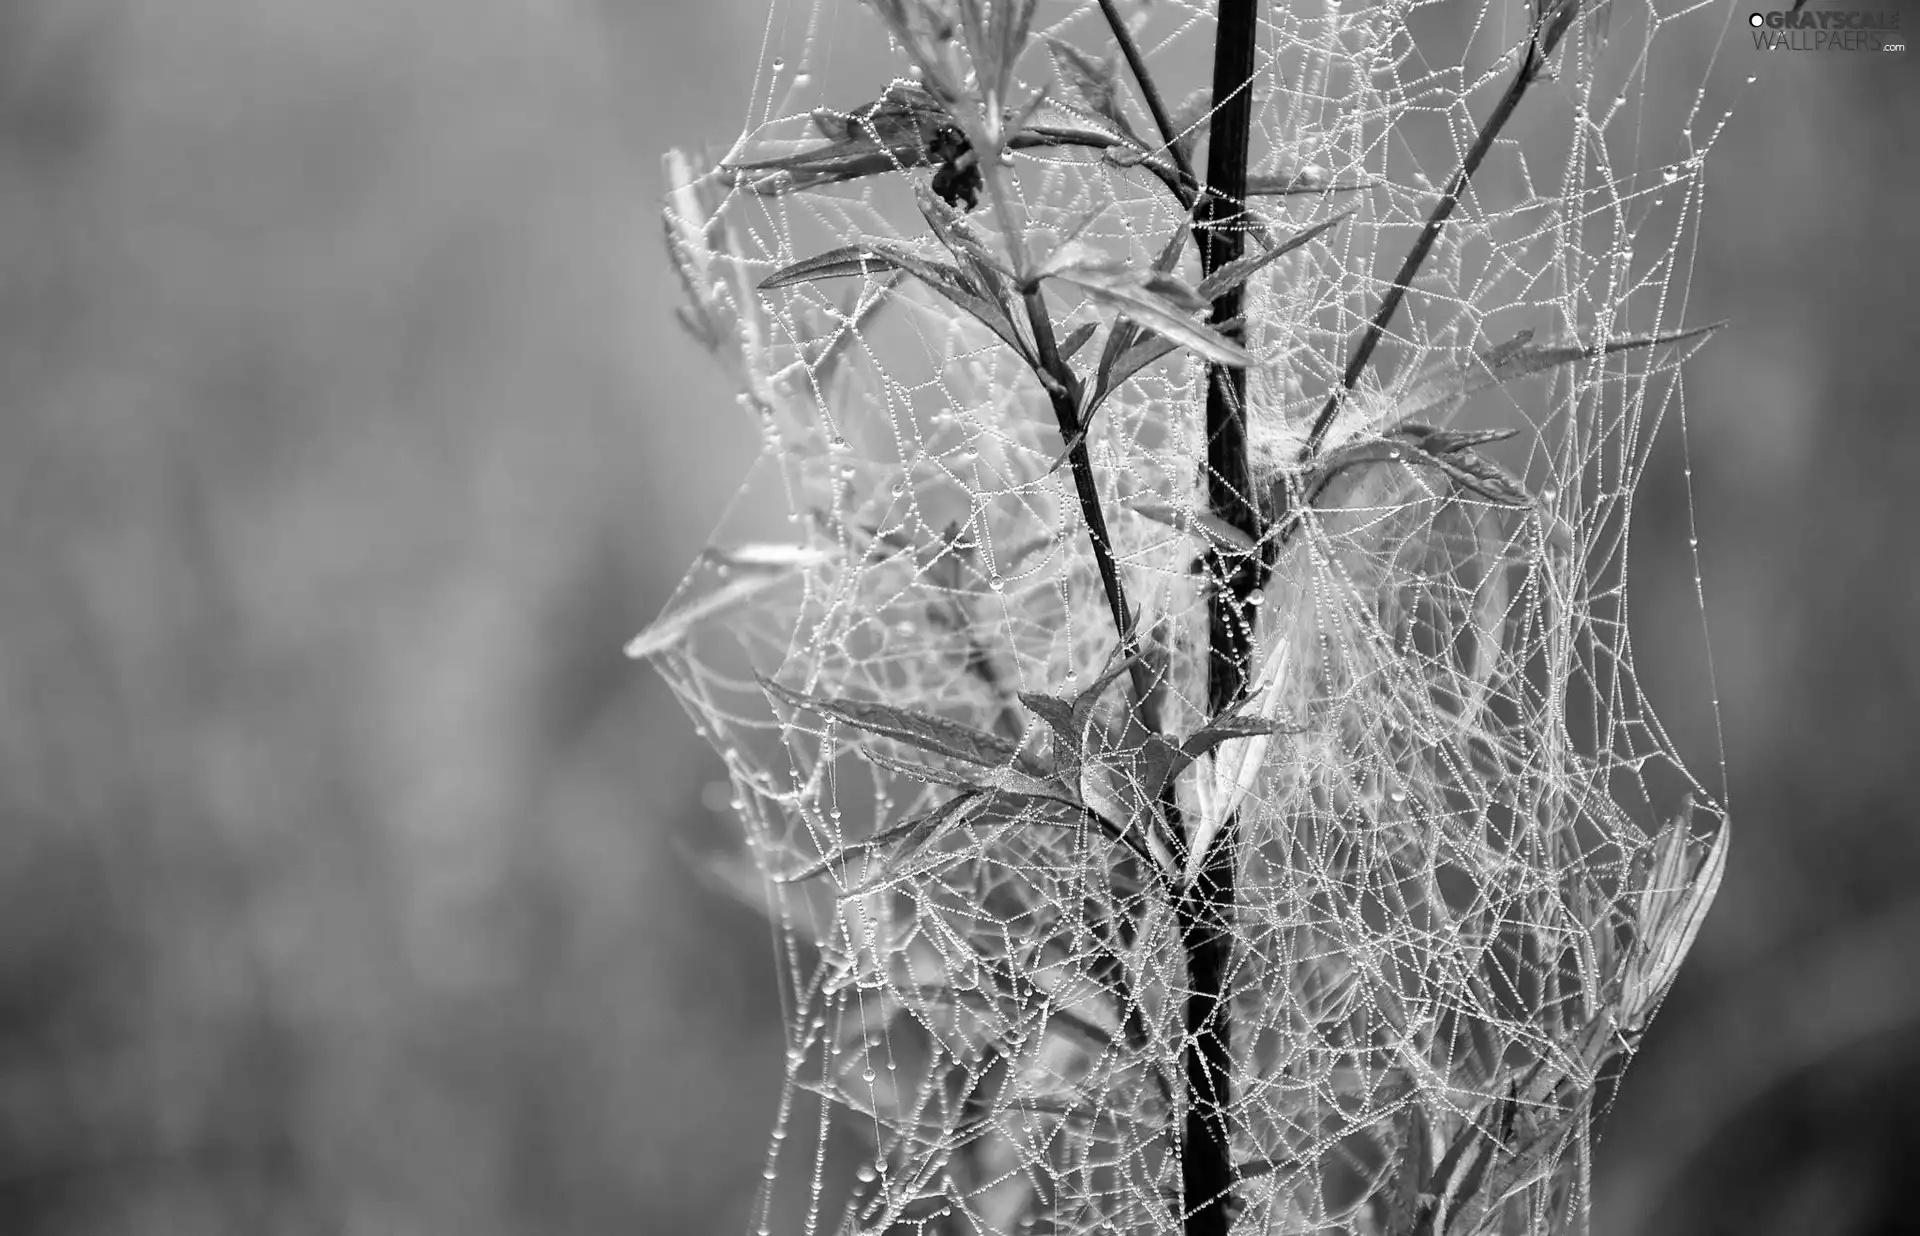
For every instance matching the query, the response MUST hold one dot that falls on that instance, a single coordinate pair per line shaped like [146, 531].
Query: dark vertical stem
[1205, 911]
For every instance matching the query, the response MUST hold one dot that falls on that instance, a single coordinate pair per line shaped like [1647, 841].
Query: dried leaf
[1671, 906]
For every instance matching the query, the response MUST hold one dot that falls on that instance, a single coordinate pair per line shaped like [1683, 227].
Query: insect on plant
[1186, 729]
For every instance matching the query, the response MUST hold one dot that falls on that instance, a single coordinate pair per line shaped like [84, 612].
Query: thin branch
[1156, 107]
[1555, 17]
[1059, 381]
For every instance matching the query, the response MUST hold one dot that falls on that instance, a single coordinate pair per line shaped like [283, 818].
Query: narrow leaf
[1093, 82]
[896, 131]
[1672, 905]
[1215, 732]
[1159, 302]
[872, 255]
[1238, 271]
[1056, 712]
[1520, 357]
[1001, 778]
[924, 730]
[1205, 525]
[1077, 339]
[1479, 476]
[867, 257]
[1296, 183]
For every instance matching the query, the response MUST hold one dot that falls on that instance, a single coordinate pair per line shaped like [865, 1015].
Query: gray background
[344, 877]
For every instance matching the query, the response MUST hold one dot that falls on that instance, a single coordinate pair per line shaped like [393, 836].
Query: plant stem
[1545, 37]
[1205, 911]
[1058, 379]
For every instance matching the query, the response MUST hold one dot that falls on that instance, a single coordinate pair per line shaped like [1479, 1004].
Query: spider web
[1468, 859]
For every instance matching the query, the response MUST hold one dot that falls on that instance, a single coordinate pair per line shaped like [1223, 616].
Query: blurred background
[345, 875]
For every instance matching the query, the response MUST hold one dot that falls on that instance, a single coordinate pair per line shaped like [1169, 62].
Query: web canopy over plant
[967, 725]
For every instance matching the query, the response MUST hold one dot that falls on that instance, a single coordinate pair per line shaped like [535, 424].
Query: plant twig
[1555, 16]
[1156, 106]
[1058, 379]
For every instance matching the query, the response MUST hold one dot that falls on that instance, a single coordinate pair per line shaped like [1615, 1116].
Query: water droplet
[1257, 600]
[1549, 494]
[1397, 795]
[1670, 175]
[778, 64]
[898, 488]
[769, 1172]
[866, 1173]
[996, 583]
[1752, 78]
[837, 443]
[1006, 156]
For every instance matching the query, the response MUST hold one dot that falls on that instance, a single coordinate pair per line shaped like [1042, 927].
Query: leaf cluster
[1109, 777]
